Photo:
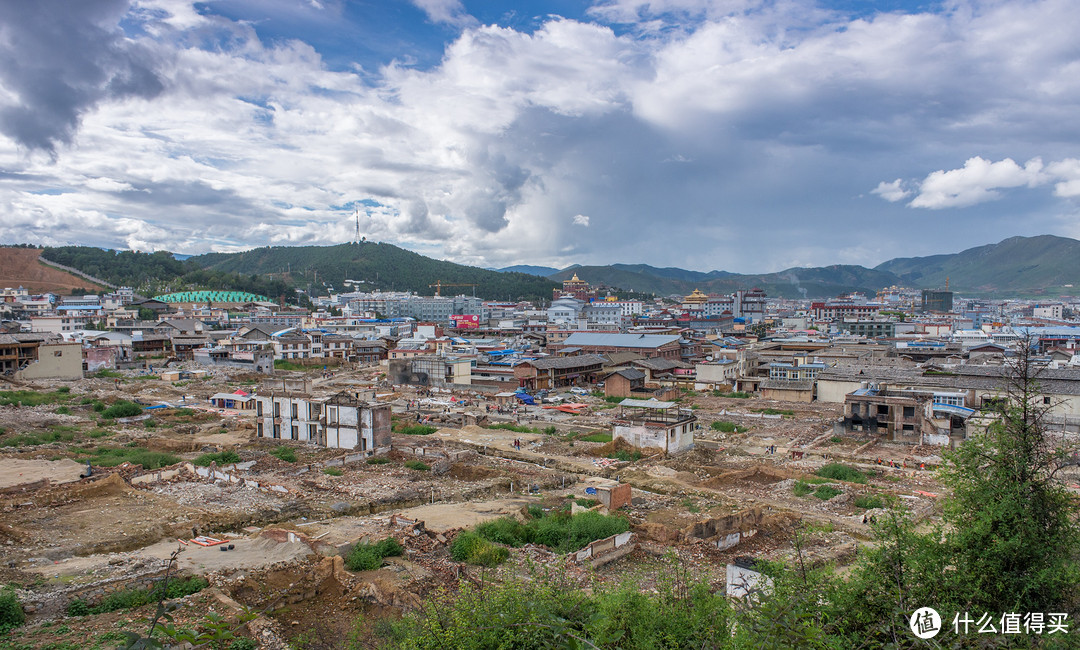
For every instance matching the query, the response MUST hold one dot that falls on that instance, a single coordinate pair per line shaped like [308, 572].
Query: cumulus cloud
[176, 128]
[59, 59]
[891, 192]
[580, 220]
[981, 180]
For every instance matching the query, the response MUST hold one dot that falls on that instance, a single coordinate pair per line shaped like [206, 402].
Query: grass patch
[772, 411]
[551, 430]
[63, 410]
[107, 374]
[738, 394]
[33, 397]
[56, 434]
[419, 430]
[417, 465]
[869, 501]
[227, 457]
[282, 364]
[613, 399]
[801, 489]
[690, 506]
[626, 456]
[840, 472]
[836, 439]
[826, 492]
[559, 531]
[726, 427]
[284, 453]
[122, 409]
[596, 437]
[333, 471]
[112, 456]
[377, 461]
[586, 503]
[131, 598]
[510, 426]
[367, 557]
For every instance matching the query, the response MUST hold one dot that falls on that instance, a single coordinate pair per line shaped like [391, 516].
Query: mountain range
[1044, 265]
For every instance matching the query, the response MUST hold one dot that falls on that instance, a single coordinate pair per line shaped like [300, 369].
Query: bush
[419, 430]
[802, 489]
[869, 501]
[99, 406]
[367, 557]
[63, 390]
[377, 461]
[417, 465]
[586, 503]
[474, 549]
[840, 472]
[826, 492]
[221, 458]
[63, 410]
[78, 607]
[333, 471]
[284, 453]
[11, 611]
[122, 409]
[726, 427]
[625, 456]
[149, 424]
[505, 530]
[243, 644]
[551, 430]
[836, 439]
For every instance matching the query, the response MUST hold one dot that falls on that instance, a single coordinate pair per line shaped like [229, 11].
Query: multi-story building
[342, 421]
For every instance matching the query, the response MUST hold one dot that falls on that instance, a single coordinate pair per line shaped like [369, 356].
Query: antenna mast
[356, 213]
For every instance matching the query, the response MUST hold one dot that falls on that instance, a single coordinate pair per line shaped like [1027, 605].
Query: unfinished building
[342, 421]
[652, 424]
[918, 417]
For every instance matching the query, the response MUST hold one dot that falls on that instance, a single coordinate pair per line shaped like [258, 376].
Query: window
[909, 411]
[1046, 400]
[258, 410]
[909, 427]
[277, 430]
[295, 432]
[312, 432]
[277, 409]
[259, 429]
[295, 411]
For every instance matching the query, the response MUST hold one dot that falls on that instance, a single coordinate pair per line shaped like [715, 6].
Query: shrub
[131, 598]
[419, 430]
[149, 424]
[625, 456]
[78, 607]
[826, 492]
[63, 390]
[367, 557]
[243, 644]
[869, 501]
[417, 465]
[586, 503]
[332, 471]
[11, 612]
[221, 458]
[99, 406]
[112, 456]
[505, 530]
[551, 430]
[840, 472]
[122, 409]
[284, 453]
[535, 511]
[836, 439]
[726, 427]
[63, 410]
[474, 549]
[801, 489]
[377, 461]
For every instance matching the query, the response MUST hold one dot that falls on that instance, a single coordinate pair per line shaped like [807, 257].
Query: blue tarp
[525, 398]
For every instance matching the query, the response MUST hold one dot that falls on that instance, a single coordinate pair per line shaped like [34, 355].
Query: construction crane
[439, 284]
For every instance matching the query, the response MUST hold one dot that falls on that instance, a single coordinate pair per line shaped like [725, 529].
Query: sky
[739, 135]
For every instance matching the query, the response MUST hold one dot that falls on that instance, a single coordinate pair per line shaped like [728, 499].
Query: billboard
[465, 321]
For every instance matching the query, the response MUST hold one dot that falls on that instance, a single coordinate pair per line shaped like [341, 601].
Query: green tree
[1011, 524]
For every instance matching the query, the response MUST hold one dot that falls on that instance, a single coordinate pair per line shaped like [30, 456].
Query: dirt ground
[20, 267]
[17, 471]
[81, 532]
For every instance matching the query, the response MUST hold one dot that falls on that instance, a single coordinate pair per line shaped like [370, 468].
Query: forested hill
[379, 266]
[160, 272]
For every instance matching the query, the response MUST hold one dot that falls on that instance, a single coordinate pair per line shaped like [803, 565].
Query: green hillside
[379, 266]
[1015, 266]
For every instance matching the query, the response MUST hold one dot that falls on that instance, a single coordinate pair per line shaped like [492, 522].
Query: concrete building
[430, 370]
[934, 300]
[342, 421]
[648, 345]
[652, 424]
[558, 372]
[39, 356]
